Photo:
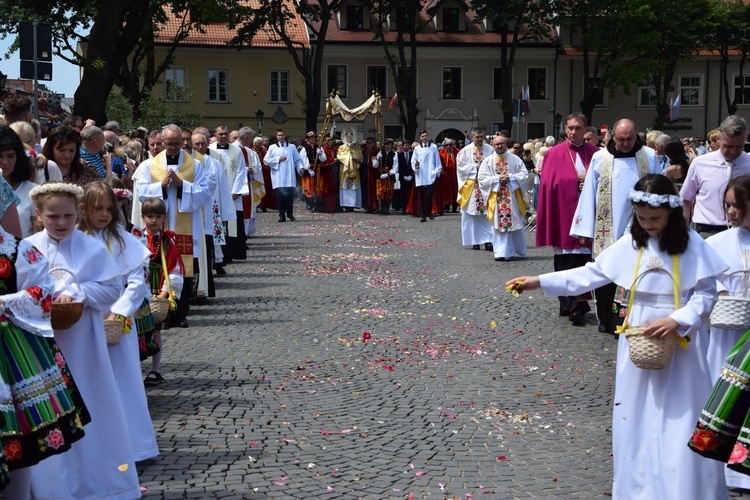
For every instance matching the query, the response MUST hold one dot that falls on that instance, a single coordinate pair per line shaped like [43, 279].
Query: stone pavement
[276, 391]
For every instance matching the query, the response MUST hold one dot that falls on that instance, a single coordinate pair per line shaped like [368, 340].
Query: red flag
[392, 101]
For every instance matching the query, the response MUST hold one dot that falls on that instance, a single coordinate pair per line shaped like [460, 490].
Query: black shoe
[488, 247]
[282, 219]
[181, 323]
[422, 220]
[498, 259]
[264, 209]
[432, 217]
[576, 317]
[153, 378]
[291, 218]
[220, 271]
[603, 329]
[403, 212]
[475, 247]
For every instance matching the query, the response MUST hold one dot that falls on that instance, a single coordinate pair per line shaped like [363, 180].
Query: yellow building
[229, 86]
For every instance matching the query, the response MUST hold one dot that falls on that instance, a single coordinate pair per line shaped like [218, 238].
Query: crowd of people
[163, 212]
[619, 222]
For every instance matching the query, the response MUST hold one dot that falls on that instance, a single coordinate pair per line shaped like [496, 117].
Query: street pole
[36, 76]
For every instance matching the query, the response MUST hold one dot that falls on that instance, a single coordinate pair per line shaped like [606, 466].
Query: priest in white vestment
[502, 180]
[475, 228]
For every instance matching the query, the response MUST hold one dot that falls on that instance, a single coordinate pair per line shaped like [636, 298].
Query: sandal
[153, 378]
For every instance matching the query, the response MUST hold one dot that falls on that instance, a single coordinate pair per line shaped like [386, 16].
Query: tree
[276, 19]
[117, 28]
[612, 35]
[728, 33]
[404, 18]
[677, 41]
[516, 21]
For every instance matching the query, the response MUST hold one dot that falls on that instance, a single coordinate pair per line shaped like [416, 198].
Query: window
[394, 132]
[647, 94]
[450, 19]
[279, 86]
[690, 90]
[355, 17]
[337, 79]
[175, 81]
[218, 80]
[536, 129]
[599, 94]
[742, 92]
[497, 80]
[537, 82]
[451, 83]
[376, 80]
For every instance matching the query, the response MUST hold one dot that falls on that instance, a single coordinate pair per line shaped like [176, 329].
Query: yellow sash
[465, 193]
[183, 220]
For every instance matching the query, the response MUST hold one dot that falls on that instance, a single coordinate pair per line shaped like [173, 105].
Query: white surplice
[101, 465]
[475, 228]
[655, 411]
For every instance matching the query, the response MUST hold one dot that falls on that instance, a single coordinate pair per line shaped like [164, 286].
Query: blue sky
[64, 75]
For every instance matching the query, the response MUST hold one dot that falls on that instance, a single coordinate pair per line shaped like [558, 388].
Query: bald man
[603, 214]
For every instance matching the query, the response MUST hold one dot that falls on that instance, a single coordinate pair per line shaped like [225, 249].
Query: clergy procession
[109, 245]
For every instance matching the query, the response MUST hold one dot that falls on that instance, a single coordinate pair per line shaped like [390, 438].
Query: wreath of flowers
[7, 250]
[655, 200]
[123, 194]
[56, 187]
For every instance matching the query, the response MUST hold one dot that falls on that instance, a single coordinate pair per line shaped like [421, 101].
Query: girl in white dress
[101, 465]
[655, 410]
[101, 219]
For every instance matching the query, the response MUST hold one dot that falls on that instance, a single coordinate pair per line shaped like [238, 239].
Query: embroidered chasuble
[183, 220]
[603, 232]
[470, 188]
[500, 203]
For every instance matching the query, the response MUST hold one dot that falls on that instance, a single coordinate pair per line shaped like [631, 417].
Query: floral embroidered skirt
[723, 429]
[41, 411]
[148, 345]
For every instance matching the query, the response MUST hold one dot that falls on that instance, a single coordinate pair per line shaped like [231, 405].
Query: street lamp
[259, 116]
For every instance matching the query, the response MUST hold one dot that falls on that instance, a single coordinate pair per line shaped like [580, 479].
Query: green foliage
[156, 113]
[119, 108]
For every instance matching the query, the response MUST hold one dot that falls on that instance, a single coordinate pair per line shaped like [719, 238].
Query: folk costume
[476, 229]
[604, 211]
[730, 372]
[655, 410]
[449, 184]
[367, 179]
[131, 257]
[41, 411]
[505, 203]
[90, 470]
[312, 176]
[330, 193]
[557, 202]
[385, 179]
[230, 155]
[269, 200]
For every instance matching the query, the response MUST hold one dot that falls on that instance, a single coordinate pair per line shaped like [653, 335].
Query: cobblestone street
[362, 356]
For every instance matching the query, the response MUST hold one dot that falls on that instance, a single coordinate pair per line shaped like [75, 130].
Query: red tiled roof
[474, 34]
[218, 35]
[577, 51]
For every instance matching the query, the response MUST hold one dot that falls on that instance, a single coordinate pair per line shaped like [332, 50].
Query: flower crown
[655, 200]
[56, 187]
[123, 194]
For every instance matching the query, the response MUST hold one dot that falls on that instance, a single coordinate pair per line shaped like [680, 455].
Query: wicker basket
[65, 314]
[649, 353]
[731, 313]
[159, 309]
[113, 330]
